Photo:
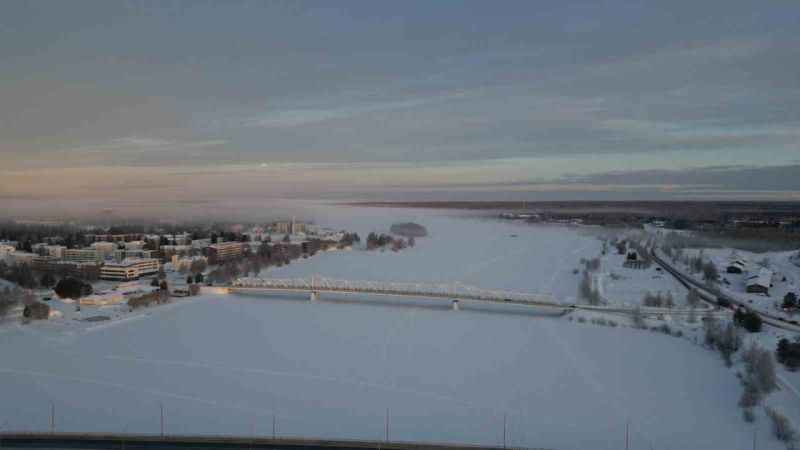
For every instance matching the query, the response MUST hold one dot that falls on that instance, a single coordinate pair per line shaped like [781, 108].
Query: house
[760, 283]
[102, 299]
[36, 311]
[737, 266]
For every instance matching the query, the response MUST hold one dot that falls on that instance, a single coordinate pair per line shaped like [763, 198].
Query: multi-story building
[114, 237]
[121, 254]
[6, 250]
[298, 227]
[86, 255]
[179, 239]
[288, 227]
[129, 269]
[281, 227]
[104, 249]
[225, 251]
[167, 251]
[185, 263]
[134, 245]
[200, 244]
[45, 249]
[22, 257]
[56, 251]
[86, 271]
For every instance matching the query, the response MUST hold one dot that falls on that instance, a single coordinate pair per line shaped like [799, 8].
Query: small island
[409, 230]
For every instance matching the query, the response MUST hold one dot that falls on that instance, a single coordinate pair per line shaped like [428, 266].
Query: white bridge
[453, 291]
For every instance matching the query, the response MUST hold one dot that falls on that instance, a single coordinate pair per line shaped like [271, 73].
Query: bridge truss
[444, 290]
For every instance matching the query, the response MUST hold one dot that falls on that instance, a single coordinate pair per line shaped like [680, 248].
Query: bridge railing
[455, 290]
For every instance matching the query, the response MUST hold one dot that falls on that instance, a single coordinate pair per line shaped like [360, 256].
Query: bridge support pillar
[456, 306]
[314, 296]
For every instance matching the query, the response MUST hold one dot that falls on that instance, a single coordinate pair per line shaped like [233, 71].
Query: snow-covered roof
[738, 263]
[762, 278]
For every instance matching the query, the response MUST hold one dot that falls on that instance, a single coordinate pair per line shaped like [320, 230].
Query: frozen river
[229, 363]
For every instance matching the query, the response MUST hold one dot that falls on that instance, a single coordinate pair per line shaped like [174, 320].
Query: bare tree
[710, 272]
[693, 297]
[782, 427]
[637, 318]
[760, 367]
[692, 318]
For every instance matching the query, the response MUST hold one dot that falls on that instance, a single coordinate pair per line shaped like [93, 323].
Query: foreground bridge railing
[449, 290]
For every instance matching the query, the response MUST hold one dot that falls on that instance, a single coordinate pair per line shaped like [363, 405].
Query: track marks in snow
[300, 375]
[138, 390]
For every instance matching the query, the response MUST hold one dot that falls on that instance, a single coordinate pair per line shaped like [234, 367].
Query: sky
[158, 102]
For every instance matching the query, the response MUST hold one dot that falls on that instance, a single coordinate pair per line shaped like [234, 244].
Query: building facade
[129, 269]
[223, 252]
[84, 255]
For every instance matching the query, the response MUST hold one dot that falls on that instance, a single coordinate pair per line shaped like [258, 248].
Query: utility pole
[627, 434]
[161, 404]
[387, 424]
[504, 430]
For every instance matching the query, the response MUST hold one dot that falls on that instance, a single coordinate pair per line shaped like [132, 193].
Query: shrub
[36, 311]
[790, 300]
[781, 426]
[748, 320]
[72, 288]
[693, 297]
[725, 339]
[788, 354]
[637, 318]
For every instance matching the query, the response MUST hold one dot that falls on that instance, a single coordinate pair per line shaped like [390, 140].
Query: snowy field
[224, 364]
[229, 363]
[627, 286]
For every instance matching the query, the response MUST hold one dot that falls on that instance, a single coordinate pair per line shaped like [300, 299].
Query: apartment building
[129, 269]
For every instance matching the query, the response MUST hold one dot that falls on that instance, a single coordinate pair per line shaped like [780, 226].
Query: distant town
[100, 266]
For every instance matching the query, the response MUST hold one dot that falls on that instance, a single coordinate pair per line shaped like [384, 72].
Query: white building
[129, 269]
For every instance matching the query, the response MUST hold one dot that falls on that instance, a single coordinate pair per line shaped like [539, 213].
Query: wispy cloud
[298, 117]
[138, 144]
